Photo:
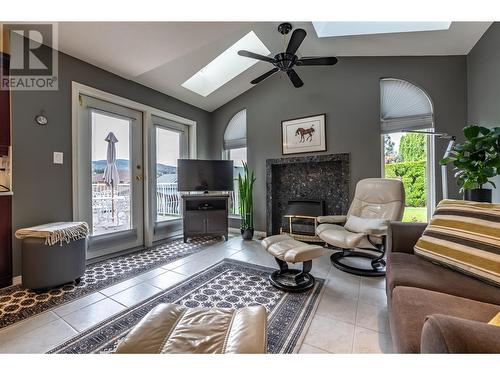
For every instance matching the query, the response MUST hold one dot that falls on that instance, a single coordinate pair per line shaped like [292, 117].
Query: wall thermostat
[41, 120]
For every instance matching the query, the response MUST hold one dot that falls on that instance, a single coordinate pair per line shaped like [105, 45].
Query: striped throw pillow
[465, 236]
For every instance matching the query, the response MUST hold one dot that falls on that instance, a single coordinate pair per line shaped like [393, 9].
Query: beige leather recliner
[377, 201]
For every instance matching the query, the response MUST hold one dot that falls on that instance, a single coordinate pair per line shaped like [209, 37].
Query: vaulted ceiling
[163, 55]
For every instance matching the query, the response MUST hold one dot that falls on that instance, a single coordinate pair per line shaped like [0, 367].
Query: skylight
[226, 66]
[328, 29]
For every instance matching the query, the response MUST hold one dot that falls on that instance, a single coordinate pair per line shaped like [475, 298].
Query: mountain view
[123, 165]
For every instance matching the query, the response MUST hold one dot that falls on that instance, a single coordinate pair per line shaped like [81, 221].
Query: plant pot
[247, 234]
[478, 195]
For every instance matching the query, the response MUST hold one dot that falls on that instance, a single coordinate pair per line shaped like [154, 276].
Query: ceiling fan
[286, 61]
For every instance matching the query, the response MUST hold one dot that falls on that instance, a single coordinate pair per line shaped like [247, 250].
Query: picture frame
[303, 135]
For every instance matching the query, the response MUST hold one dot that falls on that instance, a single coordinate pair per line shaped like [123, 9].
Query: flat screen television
[204, 175]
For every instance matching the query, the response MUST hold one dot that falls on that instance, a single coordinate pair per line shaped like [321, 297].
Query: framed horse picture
[306, 134]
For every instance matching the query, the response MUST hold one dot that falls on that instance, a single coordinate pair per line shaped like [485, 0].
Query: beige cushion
[378, 198]
[286, 248]
[365, 225]
[465, 236]
[337, 235]
[170, 328]
[332, 219]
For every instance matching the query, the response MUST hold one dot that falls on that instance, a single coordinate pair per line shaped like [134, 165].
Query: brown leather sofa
[433, 309]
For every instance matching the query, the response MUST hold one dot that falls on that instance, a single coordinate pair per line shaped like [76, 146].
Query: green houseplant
[476, 161]
[245, 188]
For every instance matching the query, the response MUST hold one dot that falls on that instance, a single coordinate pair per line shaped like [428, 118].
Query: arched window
[404, 106]
[235, 148]
[406, 113]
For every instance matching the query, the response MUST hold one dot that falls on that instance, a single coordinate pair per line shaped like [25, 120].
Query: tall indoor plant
[245, 188]
[476, 161]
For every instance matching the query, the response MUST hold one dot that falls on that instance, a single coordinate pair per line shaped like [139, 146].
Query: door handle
[138, 178]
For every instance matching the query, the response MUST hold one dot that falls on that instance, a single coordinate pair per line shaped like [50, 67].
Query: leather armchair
[377, 202]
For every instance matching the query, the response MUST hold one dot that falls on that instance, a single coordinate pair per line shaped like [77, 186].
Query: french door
[109, 182]
[168, 143]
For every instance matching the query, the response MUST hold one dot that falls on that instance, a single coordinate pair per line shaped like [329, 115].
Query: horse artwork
[306, 135]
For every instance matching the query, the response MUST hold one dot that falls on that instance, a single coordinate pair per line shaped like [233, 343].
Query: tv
[204, 175]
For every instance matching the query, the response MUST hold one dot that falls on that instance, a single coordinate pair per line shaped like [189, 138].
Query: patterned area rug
[18, 303]
[227, 284]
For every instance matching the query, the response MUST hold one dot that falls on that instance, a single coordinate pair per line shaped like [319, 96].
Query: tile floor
[351, 316]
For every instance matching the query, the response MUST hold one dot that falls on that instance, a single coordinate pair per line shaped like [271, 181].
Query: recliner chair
[362, 232]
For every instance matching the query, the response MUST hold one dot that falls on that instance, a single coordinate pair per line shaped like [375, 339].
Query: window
[407, 153]
[238, 156]
[329, 29]
[171, 143]
[226, 66]
[168, 144]
[235, 149]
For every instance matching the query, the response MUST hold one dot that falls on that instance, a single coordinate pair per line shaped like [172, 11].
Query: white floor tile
[372, 317]
[41, 339]
[135, 294]
[27, 325]
[372, 296]
[80, 303]
[167, 279]
[308, 349]
[121, 286]
[93, 314]
[150, 274]
[333, 336]
[368, 341]
[338, 307]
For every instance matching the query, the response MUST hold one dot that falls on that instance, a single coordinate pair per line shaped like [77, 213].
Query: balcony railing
[112, 209]
[167, 199]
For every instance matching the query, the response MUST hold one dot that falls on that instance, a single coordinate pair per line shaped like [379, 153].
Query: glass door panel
[169, 142]
[109, 176]
[111, 182]
[168, 150]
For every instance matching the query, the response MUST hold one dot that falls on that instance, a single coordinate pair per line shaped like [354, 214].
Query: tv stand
[205, 215]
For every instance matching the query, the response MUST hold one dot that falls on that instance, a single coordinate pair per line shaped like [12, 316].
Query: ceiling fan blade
[264, 76]
[306, 61]
[294, 77]
[296, 40]
[256, 56]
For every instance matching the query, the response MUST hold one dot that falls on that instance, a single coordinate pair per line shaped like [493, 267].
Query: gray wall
[349, 95]
[42, 190]
[483, 84]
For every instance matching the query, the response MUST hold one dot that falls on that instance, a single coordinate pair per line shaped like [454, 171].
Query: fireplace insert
[299, 220]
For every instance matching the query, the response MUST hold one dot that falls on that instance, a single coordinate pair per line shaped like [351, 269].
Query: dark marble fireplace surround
[319, 177]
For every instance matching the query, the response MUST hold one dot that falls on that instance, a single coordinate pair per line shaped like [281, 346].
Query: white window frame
[148, 112]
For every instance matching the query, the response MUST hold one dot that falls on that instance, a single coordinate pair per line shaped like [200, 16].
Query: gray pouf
[46, 266]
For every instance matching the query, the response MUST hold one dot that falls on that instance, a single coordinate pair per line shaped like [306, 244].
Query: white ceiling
[162, 55]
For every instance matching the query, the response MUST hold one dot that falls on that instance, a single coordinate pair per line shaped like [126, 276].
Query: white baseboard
[16, 280]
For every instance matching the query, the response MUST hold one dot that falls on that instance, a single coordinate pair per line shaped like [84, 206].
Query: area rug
[18, 303]
[227, 284]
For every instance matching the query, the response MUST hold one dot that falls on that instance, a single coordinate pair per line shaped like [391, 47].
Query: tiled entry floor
[351, 316]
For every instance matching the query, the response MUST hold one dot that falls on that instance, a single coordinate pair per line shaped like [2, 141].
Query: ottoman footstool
[285, 249]
[175, 329]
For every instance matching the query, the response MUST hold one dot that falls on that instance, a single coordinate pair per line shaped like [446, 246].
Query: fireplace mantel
[320, 177]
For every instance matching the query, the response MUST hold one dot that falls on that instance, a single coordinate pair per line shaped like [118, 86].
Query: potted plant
[476, 161]
[245, 188]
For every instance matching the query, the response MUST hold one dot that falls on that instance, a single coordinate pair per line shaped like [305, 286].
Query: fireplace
[321, 178]
[300, 219]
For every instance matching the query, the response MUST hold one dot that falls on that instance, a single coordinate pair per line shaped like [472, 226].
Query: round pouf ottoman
[53, 254]
[285, 249]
